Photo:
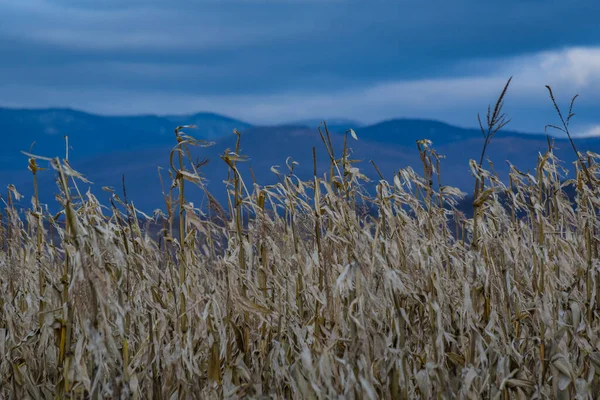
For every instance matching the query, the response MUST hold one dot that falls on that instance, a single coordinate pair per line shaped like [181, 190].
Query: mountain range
[106, 148]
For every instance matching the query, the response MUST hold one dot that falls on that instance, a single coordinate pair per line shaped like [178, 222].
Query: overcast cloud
[271, 61]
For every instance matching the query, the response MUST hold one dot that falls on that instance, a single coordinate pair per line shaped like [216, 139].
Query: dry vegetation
[318, 300]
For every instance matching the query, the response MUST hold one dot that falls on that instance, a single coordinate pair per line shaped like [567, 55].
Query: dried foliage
[295, 292]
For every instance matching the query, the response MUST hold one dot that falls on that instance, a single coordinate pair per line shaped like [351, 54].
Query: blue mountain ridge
[104, 149]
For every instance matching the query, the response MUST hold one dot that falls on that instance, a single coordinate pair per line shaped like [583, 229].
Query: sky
[275, 61]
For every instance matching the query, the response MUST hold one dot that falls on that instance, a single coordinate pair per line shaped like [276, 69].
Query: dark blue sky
[279, 60]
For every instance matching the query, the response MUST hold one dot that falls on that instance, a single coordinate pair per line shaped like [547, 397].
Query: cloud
[156, 26]
[455, 99]
[273, 61]
[577, 67]
[590, 131]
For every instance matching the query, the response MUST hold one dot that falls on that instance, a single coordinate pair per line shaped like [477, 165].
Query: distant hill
[105, 148]
[408, 131]
[92, 135]
[337, 125]
[210, 126]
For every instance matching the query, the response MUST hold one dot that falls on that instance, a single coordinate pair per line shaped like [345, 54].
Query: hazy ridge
[104, 148]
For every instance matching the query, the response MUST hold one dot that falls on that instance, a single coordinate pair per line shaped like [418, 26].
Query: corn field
[293, 291]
